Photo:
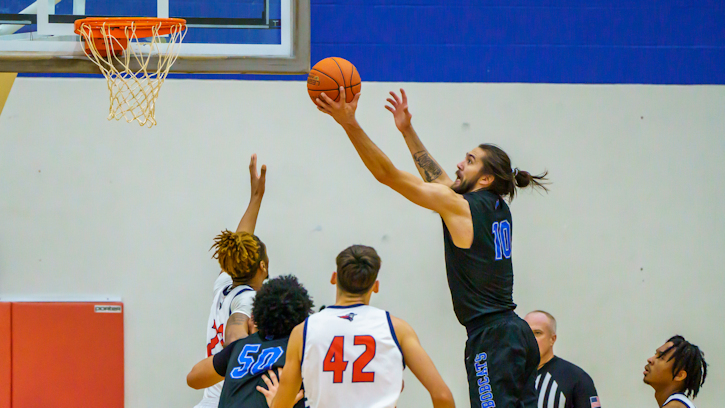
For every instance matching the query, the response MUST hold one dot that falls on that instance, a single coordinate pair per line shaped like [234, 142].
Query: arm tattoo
[236, 319]
[431, 169]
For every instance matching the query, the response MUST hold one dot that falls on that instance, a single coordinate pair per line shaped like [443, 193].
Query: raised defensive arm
[257, 181]
[428, 167]
[237, 326]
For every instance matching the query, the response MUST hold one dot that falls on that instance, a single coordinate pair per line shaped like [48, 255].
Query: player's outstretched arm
[257, 181]
[291, 379]
[436, 197]
[203, 375]
[428, 167]
[421, 365]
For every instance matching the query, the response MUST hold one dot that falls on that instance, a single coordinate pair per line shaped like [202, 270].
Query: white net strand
[133, 93]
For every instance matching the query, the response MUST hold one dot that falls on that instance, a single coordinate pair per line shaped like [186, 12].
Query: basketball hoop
[134, 69]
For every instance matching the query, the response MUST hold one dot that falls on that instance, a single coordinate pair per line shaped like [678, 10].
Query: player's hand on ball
[257, 180]
[272, 385]
[399, 109]
[342, 112]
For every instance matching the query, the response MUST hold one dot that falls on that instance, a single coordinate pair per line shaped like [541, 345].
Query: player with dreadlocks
[676, 372]
[243, 260]
[281, 304]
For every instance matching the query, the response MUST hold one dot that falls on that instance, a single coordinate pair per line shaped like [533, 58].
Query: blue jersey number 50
[248, 363]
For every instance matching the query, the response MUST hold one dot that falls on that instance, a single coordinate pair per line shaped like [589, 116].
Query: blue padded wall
[535, 41]
[564, 41]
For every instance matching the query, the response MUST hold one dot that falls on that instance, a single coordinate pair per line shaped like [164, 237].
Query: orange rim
[144, 26]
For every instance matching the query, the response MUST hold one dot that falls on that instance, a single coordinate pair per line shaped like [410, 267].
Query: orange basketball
[329, 75]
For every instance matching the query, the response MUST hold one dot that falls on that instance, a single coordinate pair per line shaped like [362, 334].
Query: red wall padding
[5, 350]
[66, 355]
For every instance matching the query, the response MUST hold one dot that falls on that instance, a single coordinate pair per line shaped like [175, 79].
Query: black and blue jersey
[481, 278]
[242, 364]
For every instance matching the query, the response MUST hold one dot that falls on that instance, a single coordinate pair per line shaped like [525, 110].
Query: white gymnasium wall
[626, 250]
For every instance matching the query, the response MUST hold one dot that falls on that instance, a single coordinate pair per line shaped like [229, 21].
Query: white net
[136, 71]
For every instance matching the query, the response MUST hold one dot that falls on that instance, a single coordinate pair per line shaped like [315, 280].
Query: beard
[464, 186]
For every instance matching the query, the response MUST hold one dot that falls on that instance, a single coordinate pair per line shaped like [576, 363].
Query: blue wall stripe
[531, 41]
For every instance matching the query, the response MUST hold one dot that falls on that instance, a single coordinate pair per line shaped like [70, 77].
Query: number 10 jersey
[351, 358]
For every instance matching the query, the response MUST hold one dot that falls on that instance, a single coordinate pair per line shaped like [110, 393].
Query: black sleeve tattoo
[431, 169]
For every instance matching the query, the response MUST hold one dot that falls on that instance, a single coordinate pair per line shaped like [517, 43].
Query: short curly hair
[281, 304]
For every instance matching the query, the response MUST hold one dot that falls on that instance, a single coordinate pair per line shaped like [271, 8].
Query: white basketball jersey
[679, 397]
[351, 358]
[227, 300]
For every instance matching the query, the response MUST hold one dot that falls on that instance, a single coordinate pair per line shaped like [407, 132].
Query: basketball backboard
[233, 36]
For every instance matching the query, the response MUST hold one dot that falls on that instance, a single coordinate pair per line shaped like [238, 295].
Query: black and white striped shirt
[561, 384]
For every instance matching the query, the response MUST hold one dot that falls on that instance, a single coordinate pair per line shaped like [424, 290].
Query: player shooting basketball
[501, 354]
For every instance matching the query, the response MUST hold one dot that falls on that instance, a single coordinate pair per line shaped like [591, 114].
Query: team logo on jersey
[218, 338]
[348, 316]
[595, 402]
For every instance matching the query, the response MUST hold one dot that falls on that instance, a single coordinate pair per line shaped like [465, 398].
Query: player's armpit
[291, 378]
[421, 365]
[433, 196]
[237, 328]
[203, 375]
[452, 207]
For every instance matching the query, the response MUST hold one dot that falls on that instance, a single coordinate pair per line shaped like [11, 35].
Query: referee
[559, 383]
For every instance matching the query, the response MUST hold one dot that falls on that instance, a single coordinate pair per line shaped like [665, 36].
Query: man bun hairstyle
[690, 358]
[357, 269]
[239, 254]
[505, 179]
[281, 304]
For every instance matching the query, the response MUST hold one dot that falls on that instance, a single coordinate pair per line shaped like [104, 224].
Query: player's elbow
[193, 382]
[387, 175]
[383, 179]
[443, 398]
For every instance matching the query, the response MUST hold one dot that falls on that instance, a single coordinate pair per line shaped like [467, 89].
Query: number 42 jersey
[351, 358]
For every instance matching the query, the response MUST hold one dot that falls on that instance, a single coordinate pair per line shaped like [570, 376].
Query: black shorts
[501, 362]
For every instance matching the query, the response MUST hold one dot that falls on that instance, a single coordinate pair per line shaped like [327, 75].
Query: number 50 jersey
[351, 358]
